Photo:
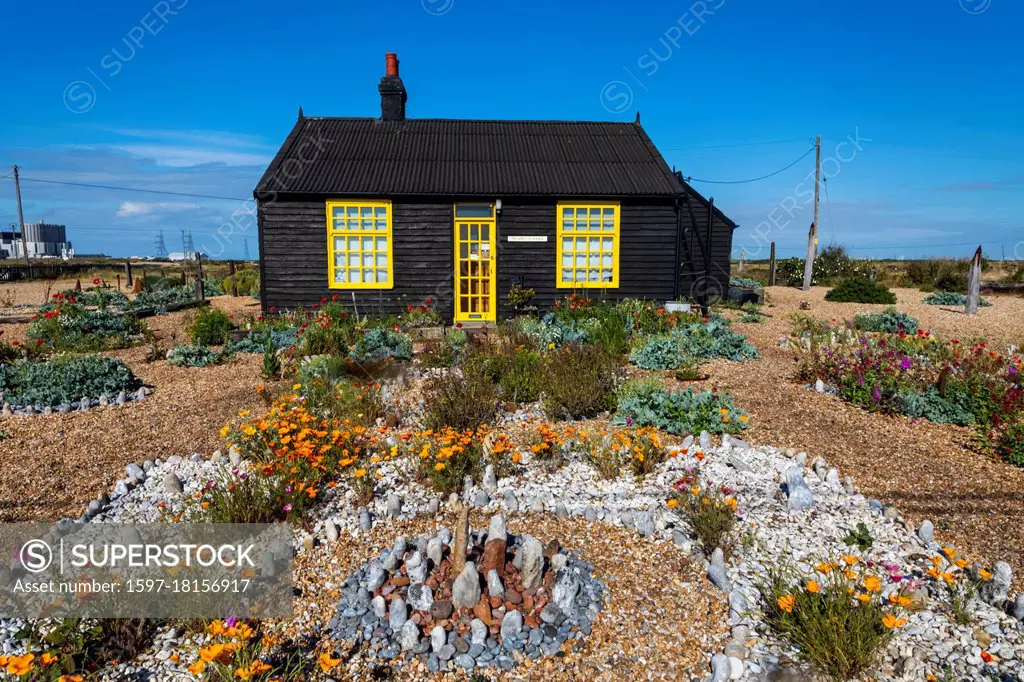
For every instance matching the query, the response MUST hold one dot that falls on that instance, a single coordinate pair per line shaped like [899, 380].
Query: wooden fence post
[812, 249]
[741, 261]
[234, 280]
[974, 285]
[771, 268]
[200, 294]
[128, 272]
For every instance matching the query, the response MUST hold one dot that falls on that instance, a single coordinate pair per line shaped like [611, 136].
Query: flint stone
[466, 589]
[364, 520]
[416, 567]
[438, 638]
[398, 614]
[490, 482]
[496, 528]
[739, 465]
[435, 550]
[999, 586]
[421, 597]
[720, 668]
[705, 440]
[410, 635]
[481, 498]
[375, 576]
[511, 502]
[394, 506]
[478, 632]
[566, 587]
[531, 555]
[718, 577]
[645, 524]
[135, 471]
[926, 532]
[494, 586]
[379, 607]
[511, 625]
[172, 484]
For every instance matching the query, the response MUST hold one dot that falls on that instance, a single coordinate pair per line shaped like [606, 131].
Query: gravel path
[927, 471]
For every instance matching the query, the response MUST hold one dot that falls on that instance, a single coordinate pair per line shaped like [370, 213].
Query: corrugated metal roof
[370, 157]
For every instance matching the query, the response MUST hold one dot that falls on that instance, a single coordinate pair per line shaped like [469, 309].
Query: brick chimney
[392, 92]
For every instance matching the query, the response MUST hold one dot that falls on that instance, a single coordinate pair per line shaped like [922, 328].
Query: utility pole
[21, 221]
[812, 237]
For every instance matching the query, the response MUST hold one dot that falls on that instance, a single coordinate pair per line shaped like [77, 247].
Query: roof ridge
[472, 120]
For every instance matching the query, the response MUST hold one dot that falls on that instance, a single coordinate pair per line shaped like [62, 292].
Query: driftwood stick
[461, 541]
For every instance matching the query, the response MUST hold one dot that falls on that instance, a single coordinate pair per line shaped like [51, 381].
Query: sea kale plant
[679, 412]
[194, 356]
[952, 298]
[890, 321]
[706, 340]
[66, 325]
[64, 379]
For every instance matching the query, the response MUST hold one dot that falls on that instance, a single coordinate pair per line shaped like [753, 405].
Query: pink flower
[288, 507]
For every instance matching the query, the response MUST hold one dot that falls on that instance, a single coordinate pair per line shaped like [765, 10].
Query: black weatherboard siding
[425, 166]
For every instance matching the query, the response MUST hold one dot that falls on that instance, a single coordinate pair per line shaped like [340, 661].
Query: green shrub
[465, 400]
[610, 331]
[860, 290]
[343, 398]
[550, 331]
[1011, 444]
[271, 365]
[680, 412]
[246, 281]
[577, 381]
[831, 265]
[752, 313]
[695, 342]
[514, 370]
[835, 622]
[711, 515]
[745, 283]
[940, 274]
[445, 352]
[382, 344]
[212, 287]
[210, 327]
[953, 408]
[162, 298]
[95, 297]
[256, 340]
[241, 499]
[69, 326]
[193, 356]
[64, 379]
[889, 321]
[951, 298]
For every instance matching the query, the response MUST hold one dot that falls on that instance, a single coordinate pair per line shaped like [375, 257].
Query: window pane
[581, 259]
[595, 243]
[567, 225]
[366, 211]
[566, 243]
[566, 259]
[606, 244]
[337, 212]
[567, 275]
[595, 259]
[355, 276]
[474, 232]
[381, 224]
[606, 260]
[382, 260]
[382, 243]
[353, 259]
[367, 275]
[367, 243]
[567, 213]
[382, 275]
[592, 275]
[473, 211]
[581, 244]
[353, 243]
[339, 243]
[339, 260]
[606, 275]
[339, 275]
[368, 259]
[380, 212]
[485, 233]
[351, 211]
[339, 224]
[463, 232]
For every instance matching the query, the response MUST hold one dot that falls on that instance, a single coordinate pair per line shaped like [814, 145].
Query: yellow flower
[439, 466]
[961, 563]
[551, 346]
[243, 413]
[984, 575]
[864, 597]
[850, 574]
[786, 603]
[725, 420]
[824, 568]
[326, 662]
[197, 668]
[360, 473]
[69, 678]
[850, 559]
[949, 552]
[20, 665]
[892, 622]
[813, 586]
[672, 504]
[47, 658]
[872, 584]
[723, 411]
[744, 418]
[296, 387]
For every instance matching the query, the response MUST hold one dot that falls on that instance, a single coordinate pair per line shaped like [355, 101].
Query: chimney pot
[392, 64]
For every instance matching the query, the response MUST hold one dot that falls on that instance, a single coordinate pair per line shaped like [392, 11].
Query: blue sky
[195, 97]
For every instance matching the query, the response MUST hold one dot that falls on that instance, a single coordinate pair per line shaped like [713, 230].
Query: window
[359, 245]
[588, 246]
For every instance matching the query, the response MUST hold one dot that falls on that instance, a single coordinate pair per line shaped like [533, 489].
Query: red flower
[273, 308]
[429, 301]
[96, 280]
[323, 300]
[39, 342]
[458, 325]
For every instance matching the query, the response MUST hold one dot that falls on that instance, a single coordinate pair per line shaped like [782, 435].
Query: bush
[64, 379]
[382, 344]
[953, 408]
[514, 370]
[256, 340]
[940, 274]
[444, 457]
[860, 290]
[891, 321]
[461, 401]
[831, 265]
[550, 331]
[68, 326]
[698, 341]
[745, 283]
[247, 282]
[241, 499]
[552, 446]
[343, 398]
[193, 356]
[210, 327]
[271, 365]
[446, 352]
[213, 287]
[1011, 444]
[577, 381]
[951, 298]
[711, 515]
[681, 412]
[162, 298]
[836, 619]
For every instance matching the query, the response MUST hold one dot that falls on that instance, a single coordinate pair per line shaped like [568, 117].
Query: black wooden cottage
[391, 212]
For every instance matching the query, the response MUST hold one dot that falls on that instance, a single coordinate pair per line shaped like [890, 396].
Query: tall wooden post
[128, 273]
[812, 238]
[234, 281]
[771, 268]
[741, 260]
[974, 285]
[200, 294]
[21, 222]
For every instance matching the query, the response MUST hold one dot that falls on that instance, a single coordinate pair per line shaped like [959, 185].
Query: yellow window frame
[590, 232]
[360, 233]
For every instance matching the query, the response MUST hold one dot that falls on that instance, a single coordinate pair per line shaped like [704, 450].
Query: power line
[133, 189]
[763, 177]
[732, 144]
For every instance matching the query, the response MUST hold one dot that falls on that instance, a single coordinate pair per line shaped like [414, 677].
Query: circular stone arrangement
[512, 593]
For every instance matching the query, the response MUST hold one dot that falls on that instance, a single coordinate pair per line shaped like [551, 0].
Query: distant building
[44, 240]
[181, 255]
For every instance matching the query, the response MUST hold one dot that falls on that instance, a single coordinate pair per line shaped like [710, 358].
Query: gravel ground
[55, 464]
[927, 471]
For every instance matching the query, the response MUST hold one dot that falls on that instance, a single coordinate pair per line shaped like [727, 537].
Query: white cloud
[184, 157]
[137, 208]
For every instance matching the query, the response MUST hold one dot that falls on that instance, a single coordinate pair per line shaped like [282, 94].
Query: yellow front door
[475, 237]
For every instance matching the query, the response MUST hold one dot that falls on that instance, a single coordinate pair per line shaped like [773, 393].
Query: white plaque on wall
[527, 237]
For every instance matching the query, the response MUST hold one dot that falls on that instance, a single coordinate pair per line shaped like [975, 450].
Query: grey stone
[511, 625]
[364, 520]
[511, 502]
[172, 484]
[645, 524]
[481, 498]
[379, 606]
[564, 591]
[719, 668]
[421, 597]
[705, 440]
[466, 589]
[890, 512]
[465, 661]
[446, 652]
[739, 465]
[1018, 607]
[435, 550]
[416, 567]
[926, 532]
[438, 638]
[561, 511]
[410, 635]
[496, 528]
[331, 531]
[490, 482]
[832, 477]
[136, 472]
[800, 496]
[121, 398]
[532, 561]
[819, 386]
[718, 577]
[398, 614]
[478, 632]
[558, 562]
[999, 586]
[433, 505]
[394, 506]
[590, 514]
[375, 576]
[494, 586]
